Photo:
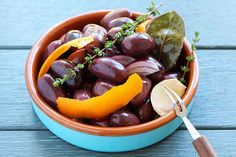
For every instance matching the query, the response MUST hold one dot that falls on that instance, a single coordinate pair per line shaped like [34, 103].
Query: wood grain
[44, 143]
[214, 106]
[23, 22]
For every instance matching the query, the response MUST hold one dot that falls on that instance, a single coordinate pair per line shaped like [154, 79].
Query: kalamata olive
[99, 123]
[140, 98]
[91, 28]
[99, 41]
[123, 118]
[82, 94]
[145, 111]
[89, 77]
[99, 35]
[71, 35]
[125, 108]
[123, 59]
[109, 52]
[158, 76]
[51, 47]
[173, 75]
[101, 86]
[77, 56]
[114, 15]
[68, 93]
[88, 86]
[112, 32]
[48, 91]
[60, 68]
[119, 22]
[137, 45]
[108, 69]
[94, 29]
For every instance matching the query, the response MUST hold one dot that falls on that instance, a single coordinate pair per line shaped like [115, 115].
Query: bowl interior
[78, 22]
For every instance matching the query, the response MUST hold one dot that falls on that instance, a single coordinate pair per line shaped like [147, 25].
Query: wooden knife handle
[203, 147]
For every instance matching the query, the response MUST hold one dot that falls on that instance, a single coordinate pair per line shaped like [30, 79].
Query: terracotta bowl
[107, 139]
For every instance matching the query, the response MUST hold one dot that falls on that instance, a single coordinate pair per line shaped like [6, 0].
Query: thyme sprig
[129, 28]
[126, 30]
[70, 74]
[189, 58]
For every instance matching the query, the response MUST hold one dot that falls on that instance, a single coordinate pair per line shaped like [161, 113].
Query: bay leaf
[168, 31]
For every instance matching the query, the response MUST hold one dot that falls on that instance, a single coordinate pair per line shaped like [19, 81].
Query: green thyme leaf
[141, 18]
[119, 37]
[152, 9]
[190, 58]
[65, 78]
[126, 26]
[71, 73]
[182, 80]
[57, 82]
[80, 66]
[96, 50]
[109, 44]
[89, 59]
[195, 40]
[185, 68]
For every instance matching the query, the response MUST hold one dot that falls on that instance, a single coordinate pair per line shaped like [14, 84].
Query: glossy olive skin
[172, 75]
[158, 76]
[91, 28]
[77, 56]
[123, 59]
[60, 68]
[108, 69]
[112, 32]
[109, 52]
[101, 86]
[51, 47]
[137, 45]
[71, 35]
[99, 123]
[99, 35]
[48, 91]
[141, 97]
[114, 15]
[88, 86]
[119, 22]
[145, 112]
[123, 118]
[82, 94]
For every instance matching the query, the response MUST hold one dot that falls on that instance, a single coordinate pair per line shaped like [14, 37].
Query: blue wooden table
[214, 109]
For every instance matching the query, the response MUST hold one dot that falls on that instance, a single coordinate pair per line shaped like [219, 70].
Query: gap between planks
[180, 128]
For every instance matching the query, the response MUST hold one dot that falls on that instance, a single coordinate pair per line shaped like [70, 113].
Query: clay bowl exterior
[106, 139]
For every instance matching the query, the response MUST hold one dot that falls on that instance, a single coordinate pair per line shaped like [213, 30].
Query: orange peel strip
[102, 106]
[79, 43]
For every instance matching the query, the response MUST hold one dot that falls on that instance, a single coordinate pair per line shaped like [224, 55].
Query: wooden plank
[23, 22]
[214, 102]
[13, 94]
[214, 105]
[44, 143]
